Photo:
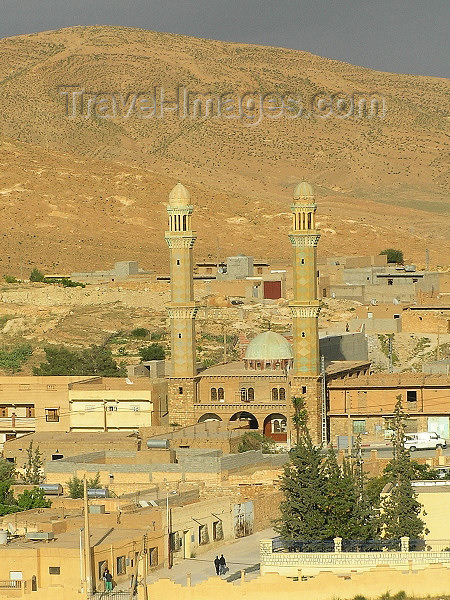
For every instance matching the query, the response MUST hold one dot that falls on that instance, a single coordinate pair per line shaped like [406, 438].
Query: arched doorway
[275, 427]
[245, 417]
[209, 417]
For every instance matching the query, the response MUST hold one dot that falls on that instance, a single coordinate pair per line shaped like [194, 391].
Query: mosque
[258, 390]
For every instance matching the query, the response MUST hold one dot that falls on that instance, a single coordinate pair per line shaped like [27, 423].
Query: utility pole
[427, 260]
[324, 400]
[391, 368]
[224, 331]
[438, 350]
[87, 542]
[144, 564]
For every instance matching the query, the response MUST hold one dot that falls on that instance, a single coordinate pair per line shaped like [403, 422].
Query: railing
[279, 545]
[372, 545]
[11, 584]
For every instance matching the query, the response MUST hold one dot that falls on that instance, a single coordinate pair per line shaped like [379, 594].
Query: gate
[243, 518]
[114, 595]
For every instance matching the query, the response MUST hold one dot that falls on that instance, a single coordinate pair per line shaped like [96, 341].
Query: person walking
[217, 565]
[222, 564]
[108, 580]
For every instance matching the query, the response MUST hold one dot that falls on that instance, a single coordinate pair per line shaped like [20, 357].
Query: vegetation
[36, 275]
[393, 255]
[152, 352]
[140, 333]
[28, 500]
[95, 360]
[10, 279]
[33, 466]
[76, 485]
[12, 360]
[253, 440]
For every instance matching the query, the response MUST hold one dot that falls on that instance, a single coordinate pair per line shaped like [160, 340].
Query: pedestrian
[217, 565]
[108, 580]
[222, 564]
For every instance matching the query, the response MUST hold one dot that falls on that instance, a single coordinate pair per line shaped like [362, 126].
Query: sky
[400, 36]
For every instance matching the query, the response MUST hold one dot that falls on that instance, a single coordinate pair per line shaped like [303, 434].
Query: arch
[252, 421]
[221, 394]
[213, 394]
[209, 417]
[275, 427]
[274, 394]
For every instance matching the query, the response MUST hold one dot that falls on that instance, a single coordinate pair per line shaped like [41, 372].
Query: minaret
[305, 306]
[181, 309]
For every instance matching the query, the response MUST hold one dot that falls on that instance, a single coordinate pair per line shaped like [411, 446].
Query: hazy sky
[402, 36]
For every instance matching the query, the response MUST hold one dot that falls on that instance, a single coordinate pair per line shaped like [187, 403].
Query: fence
[341, 545]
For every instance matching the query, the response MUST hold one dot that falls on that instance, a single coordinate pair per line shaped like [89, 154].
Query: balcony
[17, 423]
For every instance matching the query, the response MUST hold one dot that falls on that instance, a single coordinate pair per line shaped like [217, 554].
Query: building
[365, 405]
[257, 391]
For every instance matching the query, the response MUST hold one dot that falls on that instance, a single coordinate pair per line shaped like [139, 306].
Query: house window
[259, 270]
[51, 387]
[359, 426]
[179, 336]
[203, 535]
[180, 390]
[390, 281]
[217, 530]
[213, 395]
[153, 557]
[303, 389]
[274, 394]
[120, 565]
[54, 570]
[278, 425]
[3, 411]
[112, 408]
[221, 394]
[251, 394]
[52, 415]
[282, 394]
[29, 411]
[303, 334]
[411, 396]
[136, 409]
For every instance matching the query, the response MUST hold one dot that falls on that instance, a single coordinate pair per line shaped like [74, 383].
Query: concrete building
[365, 405]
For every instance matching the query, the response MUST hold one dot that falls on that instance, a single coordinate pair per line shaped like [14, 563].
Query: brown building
[365, 405]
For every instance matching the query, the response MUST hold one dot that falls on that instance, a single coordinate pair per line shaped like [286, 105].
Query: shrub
[393, 255]
[10, 279]
[36, 275]
[140, 333]
[152, 352]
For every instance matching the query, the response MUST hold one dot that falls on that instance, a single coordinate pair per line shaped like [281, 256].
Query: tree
[36, 275]
[302, 483]
[33, 466]
[152, 352]
[95, 360]
[393, 255]
[300, 415]
[76, 485]
[400, 509]
[253, 440]
[140, 333]
[30, 499]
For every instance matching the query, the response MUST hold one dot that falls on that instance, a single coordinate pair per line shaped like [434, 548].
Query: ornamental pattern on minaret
[181, 310]
[305, 307]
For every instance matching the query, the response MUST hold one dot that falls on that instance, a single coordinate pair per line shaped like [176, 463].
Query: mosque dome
[179, 196]
[268, 350]
[303, 190]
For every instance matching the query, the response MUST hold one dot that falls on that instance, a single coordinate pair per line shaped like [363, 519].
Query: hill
[80, 190]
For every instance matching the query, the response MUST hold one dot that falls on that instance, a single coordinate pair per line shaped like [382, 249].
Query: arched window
[274, 394]
[184, 222]
[282, 394]
[251, 394]
[221, 394]
[244, 395]
[309, 220]
[213, 395]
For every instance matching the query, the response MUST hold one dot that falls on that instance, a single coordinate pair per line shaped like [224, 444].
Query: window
[178, 262]
[303, 261]
[29, 411]
[203, 535]
[278, 425]
[153, 557]
[3, 411]
[411, 396]
[120, 565]
[175, 541]
[251, 394]
[180, 390]
[136, 409]
[51, 387]
[54, 570]
[179, 336]
[52, 415]
[303, 334]
[303, 389]
[282, 394]
[221, 394]
[24, 386]
[274, 394]
[390, 282]
[213, 395]
[359, 426]
[217, 530]
[112, 408]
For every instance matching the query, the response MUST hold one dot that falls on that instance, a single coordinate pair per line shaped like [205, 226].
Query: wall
[348, 346]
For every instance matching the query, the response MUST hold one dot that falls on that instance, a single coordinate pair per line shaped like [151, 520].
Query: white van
[425, 440]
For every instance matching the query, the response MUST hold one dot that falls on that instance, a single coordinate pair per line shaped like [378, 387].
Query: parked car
[424, 440]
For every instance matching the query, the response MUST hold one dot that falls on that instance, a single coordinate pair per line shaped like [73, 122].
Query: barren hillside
[81, 191]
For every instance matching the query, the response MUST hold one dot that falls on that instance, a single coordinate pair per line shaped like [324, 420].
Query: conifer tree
[33, 466]
[302, 515]
[400, 510]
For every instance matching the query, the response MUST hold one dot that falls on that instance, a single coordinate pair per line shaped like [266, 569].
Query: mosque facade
[258, 391]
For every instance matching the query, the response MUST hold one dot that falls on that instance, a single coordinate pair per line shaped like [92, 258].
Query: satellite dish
[395, 301]
[221, 270]
[373, 302]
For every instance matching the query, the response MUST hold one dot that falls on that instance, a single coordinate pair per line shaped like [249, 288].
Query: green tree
[302, 483]
[76, 485]
[400, 509]
[152, 352]
[300, 416]
[393, 255]
[33, 466]
[140, 333]
[253, 440]
[30, 499]
[36, 275]
[10, 279]
[95, 360]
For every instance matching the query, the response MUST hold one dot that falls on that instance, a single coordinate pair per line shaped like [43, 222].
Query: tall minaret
[305, 306]
[181, 309]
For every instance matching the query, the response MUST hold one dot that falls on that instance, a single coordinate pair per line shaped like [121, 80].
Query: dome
[269, 346]
[179, 196]
[303, 190]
